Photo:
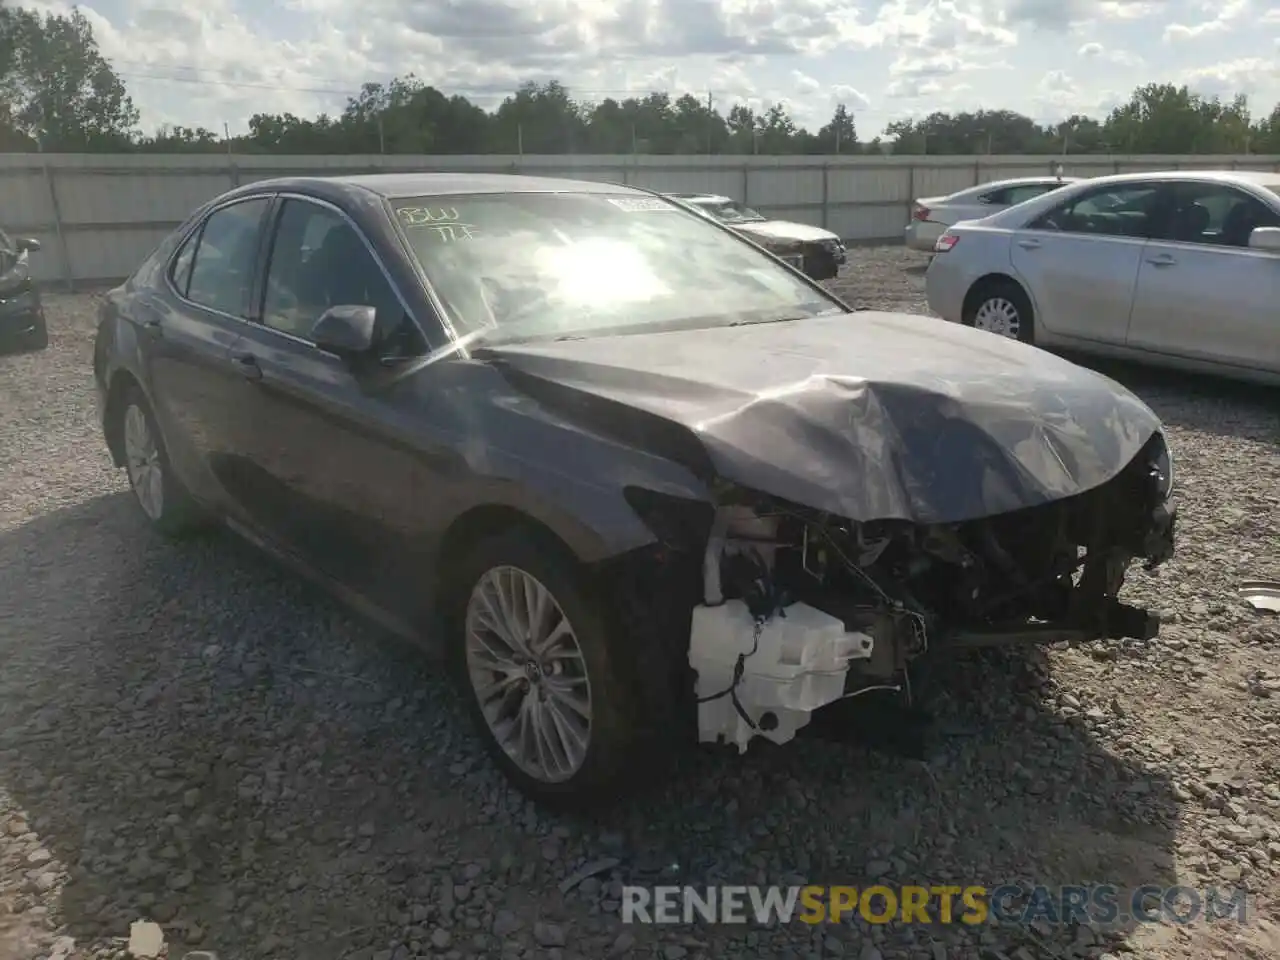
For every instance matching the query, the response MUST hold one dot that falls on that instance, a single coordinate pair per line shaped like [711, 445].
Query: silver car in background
[930, 216]
[1178, 269]
[816, 251]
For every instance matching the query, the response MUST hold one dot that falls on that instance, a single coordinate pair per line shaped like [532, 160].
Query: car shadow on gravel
[193, 736]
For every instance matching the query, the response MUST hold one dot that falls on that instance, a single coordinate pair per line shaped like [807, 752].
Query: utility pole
[711, 120]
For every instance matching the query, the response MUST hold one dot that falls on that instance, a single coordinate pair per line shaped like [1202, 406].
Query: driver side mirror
[27, 245]
[1266, 239]
[348, 331]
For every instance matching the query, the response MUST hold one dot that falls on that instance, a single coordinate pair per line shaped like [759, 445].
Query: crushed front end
[800, 609]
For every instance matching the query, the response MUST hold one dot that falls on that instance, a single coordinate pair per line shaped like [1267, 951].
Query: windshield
[727, 211]
[536, 265]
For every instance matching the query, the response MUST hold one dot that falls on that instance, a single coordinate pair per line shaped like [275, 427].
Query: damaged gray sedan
[638, 481]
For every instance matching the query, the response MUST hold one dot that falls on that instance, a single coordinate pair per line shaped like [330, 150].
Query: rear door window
[180, 269]
[1011, 196]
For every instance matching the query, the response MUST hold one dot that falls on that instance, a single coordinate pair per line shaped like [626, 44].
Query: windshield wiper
[787, 318]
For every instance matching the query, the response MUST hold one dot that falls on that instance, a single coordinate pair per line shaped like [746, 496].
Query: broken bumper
[1089, 617]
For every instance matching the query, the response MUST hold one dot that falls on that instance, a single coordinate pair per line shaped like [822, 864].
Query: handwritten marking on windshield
[444, 221]
[449, 232]
[425, 216]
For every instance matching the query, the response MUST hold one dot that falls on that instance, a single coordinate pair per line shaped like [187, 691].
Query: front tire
[157, 491]
[38, 336]
[533, 653]
[1003, 308]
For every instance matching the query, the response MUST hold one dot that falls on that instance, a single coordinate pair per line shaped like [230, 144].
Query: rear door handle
[1029, 244]
[1163, 260]
[247, 364]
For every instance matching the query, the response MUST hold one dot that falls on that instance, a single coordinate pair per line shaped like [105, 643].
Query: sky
[218, 62]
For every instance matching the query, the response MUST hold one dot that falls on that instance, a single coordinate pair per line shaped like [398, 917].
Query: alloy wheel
[999, 316]
[142, 462]
[528, 673]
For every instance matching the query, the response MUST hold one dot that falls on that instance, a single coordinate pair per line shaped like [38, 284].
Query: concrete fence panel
[98, 215]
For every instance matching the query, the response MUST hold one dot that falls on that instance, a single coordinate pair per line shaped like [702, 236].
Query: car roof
[1000, 185]
[1021, 181]
[1011, 182]
[699, 197]
[1015, 217]
[393, 185]
[1261, 178]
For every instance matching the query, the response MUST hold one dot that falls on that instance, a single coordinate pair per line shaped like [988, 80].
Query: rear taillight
[945, 243]
[922, 213]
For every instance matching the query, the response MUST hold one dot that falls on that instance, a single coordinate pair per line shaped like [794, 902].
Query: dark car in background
[641, 483]
[818, 252]
[22, 323]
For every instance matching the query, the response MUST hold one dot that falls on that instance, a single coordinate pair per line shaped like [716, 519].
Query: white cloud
[1061, 15]
[851, 97]
[1127, 9]
[1175, 32]
[224, 60]
[1247, 75]
[1226, 16]
[805, 83]
[1057, 81]
[1095, 50]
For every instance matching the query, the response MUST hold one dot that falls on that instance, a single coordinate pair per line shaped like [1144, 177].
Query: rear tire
[38, 337]
[548, 693]
[1001, 307]
[157, 491]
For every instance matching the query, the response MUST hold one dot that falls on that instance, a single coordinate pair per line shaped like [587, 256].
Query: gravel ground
[190, 736]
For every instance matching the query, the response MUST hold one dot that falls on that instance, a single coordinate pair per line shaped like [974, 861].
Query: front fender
[579, 496]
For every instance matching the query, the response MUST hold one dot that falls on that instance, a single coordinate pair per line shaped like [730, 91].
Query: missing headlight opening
[800, 610]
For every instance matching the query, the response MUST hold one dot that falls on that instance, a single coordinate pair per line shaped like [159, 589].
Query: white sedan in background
[1179, 269]
[931, 216]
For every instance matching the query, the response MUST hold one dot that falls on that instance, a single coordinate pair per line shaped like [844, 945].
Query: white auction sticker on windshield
[640, 204]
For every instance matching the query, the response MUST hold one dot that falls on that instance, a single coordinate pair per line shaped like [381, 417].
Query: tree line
[58, 93]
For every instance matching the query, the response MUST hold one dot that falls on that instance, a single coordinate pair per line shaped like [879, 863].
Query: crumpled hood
[865, 415]
[785, 230]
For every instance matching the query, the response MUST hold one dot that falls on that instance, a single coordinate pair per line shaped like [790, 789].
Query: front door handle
[1163, 260]
[153, 326]
[1029, 244]
[247, 364]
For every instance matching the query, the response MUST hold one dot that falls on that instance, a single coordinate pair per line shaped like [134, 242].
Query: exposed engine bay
[801, 609]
